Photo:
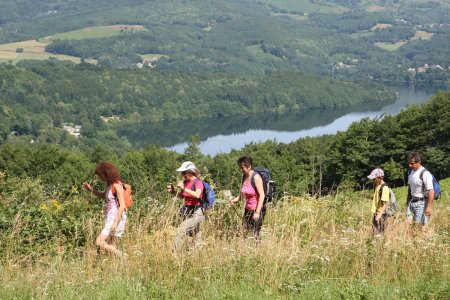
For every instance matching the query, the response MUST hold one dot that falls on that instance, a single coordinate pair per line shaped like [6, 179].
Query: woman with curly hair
[115, 217]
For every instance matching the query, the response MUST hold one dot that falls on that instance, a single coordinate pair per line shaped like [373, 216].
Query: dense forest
[331, 38]
[298, 167]
[35, 101]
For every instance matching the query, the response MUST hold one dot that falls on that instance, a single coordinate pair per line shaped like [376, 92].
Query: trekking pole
[235, 210]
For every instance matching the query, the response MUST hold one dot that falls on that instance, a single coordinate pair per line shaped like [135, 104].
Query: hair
[108, 171]
[414, 156]
[245, 161]
[195, 172]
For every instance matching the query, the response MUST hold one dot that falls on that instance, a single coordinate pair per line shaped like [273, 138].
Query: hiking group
[423, 189]
[257, 189]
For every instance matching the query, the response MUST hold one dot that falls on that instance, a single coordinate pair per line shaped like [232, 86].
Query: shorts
[416, 211]
[120, 227]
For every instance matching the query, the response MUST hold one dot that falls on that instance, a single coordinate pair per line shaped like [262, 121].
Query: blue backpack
[208, 197]
[268, 184]
[436, 185]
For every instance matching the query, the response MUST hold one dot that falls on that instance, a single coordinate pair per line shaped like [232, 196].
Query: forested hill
[306, 165]
[390, 40]
[36, 100]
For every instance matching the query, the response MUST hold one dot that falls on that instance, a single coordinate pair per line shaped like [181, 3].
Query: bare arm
[382, 210]
[408, 197]
[233, 200]
[91, 189]
[197, 193]
[261, 196]
[428, 209]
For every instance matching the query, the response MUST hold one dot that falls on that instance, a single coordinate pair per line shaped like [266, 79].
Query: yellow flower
[55, 203]
[74, 190]
[44, 207]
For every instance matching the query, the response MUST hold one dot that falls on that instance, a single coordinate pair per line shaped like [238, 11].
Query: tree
[192, 152]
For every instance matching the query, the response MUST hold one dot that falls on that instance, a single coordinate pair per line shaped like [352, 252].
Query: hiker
[191, 211]
[380, 202]
[420, 191]
[254, 205]
[115, 217]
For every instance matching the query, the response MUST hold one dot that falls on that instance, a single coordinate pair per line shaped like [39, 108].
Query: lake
[221, 135]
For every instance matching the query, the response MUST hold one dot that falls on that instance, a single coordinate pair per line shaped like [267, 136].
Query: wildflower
[44, 207]
[55, 204]
[74, 190]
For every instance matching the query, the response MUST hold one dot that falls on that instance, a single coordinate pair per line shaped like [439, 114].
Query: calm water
[224, 134]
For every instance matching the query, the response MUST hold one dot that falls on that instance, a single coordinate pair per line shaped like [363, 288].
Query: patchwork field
[32, 49]
[35, 49]
[306, 6]
[420, 35]
[95, 32]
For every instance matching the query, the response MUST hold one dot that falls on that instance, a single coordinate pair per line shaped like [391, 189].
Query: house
[74, 130]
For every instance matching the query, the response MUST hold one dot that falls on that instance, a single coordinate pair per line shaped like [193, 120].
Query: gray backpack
[392, 209]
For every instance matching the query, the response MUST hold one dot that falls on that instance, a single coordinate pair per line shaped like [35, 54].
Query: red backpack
[126, 194]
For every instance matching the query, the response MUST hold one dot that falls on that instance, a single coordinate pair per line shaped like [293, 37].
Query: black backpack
[268, 184]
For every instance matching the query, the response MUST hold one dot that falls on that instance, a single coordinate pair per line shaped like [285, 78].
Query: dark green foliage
[243, 37]
[37, 100]
[392, 35]
[351, 22]
[435, 51]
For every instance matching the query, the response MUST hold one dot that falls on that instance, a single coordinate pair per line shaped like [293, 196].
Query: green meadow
[95, 32]
[310, 249]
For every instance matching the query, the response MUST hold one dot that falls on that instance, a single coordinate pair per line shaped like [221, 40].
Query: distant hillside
[35, 101]
[335, 38]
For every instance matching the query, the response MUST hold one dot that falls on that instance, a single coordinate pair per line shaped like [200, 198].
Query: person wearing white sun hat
[190, 190]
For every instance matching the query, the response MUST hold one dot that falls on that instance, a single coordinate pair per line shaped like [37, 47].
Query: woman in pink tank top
[115, 217]
[254, 198]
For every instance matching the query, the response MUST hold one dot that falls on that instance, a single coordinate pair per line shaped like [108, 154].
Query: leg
[197, 233]
[375, 226]
[188, 227]
[258, 224]
[101, 242]
[107, 242]
[247, 221]
[410, 213]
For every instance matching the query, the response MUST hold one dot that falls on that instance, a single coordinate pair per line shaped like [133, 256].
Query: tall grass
[310, 248]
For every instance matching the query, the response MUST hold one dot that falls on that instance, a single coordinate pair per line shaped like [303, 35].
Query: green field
[32, 50]
[35, 49]
[306, 6]
[95, 32]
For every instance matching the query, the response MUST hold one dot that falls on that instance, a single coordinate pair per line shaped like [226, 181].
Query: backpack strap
[113, 190]
[381, 191]
[421, 178]
[252, 181]
[193, 188]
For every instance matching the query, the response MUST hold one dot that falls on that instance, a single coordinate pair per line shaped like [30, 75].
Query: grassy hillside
[310, 249]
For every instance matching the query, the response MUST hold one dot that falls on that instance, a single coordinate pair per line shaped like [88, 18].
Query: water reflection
[171, 133]
[227, 133]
